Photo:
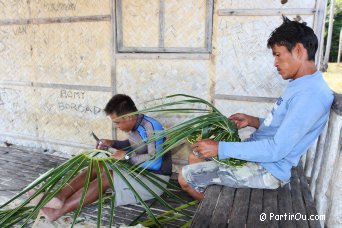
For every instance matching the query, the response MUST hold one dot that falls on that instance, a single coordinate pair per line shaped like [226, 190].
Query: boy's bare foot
[51, 214]
[54, 203]
[36, 200]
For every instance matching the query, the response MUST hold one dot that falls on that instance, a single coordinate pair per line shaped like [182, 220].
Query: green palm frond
[171, 214]
[211, 124]
[51, 182]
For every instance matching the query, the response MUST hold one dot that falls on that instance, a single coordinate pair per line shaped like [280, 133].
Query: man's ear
[300, 51]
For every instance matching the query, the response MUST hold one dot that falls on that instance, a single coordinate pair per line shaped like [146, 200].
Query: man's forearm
[120, 145]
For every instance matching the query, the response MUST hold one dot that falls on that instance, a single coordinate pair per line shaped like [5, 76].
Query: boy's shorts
[251, 175]
[124, 195]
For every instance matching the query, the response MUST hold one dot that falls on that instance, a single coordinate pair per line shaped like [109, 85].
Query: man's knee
[181, 180]
[191, 156]
[194, 159]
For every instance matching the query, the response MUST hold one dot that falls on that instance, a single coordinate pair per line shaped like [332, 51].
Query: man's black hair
[120, 104]
[290, 33]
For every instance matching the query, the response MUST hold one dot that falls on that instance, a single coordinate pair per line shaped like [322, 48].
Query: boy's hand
[207, 148]
[242, 120]
[103, 144]
[119, 154]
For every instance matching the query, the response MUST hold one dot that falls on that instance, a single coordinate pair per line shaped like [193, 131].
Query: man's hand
[103, 144]
[242, 120]
[207, 148]
[119, 154]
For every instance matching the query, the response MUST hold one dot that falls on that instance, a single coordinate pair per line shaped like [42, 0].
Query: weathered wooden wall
[55, 77]
[61, 60]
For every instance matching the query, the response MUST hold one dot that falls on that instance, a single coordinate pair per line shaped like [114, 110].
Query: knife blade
[112, 150]
[95, 137]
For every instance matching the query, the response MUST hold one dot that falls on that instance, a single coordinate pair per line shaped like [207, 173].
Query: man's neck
[306, 68]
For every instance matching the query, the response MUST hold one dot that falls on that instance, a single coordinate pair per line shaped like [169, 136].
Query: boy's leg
[73, 201]
[69, 189]
[75, 184]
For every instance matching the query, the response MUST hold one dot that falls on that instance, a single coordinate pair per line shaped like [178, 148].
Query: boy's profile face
[287, 63]
[125, 124]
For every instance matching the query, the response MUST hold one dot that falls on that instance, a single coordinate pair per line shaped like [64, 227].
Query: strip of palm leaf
[51, 182]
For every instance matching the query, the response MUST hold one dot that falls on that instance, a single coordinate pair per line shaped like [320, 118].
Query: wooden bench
[230, 207]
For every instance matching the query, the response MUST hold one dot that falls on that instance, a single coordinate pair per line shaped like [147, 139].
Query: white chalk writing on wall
[74, 101]
[72, 94]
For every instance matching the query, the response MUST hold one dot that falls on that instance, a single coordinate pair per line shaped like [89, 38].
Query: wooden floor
[19, 167]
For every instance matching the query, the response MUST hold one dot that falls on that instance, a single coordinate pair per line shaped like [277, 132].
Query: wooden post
[330, 28]
[339, 47]
[319, 22]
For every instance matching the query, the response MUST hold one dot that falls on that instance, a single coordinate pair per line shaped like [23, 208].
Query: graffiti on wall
[74, 101]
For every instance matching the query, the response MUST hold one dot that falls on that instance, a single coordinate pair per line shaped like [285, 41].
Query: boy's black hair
[120, 104]
[290, 33]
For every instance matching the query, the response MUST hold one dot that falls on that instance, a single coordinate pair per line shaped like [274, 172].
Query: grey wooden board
[285, 206]
[297, 200]
[202, 219]
[243, 209]
[19, 167]
[270, 205]
[224, 205]
[255, 208]
[309, 202]
[239, 213]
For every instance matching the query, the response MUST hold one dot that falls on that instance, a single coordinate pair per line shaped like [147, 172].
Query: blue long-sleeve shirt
[296, 120]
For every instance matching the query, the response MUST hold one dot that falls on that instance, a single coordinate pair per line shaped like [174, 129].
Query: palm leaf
[39, 180]
[154, 179]
[148, 210]
[164, 217]
[48, 196]
[50, 180]
[211, 124]
[99, 185]
[111, 183]
[156, 196]
[84, 192]
[53, 181]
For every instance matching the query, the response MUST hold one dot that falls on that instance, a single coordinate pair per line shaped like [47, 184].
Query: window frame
[162, 49]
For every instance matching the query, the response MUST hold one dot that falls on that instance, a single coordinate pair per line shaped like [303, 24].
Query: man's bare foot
[51, 214]
[54, 203]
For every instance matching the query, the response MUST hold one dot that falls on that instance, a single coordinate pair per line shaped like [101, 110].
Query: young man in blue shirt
[296, 120]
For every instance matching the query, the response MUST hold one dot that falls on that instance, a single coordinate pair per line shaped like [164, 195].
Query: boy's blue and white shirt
[146, 153]
[296, 120]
